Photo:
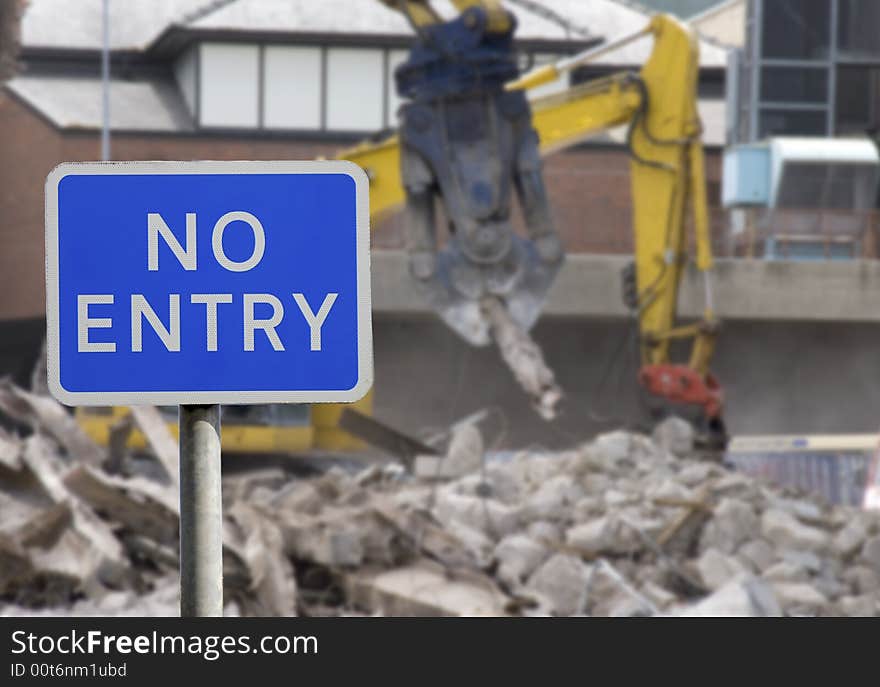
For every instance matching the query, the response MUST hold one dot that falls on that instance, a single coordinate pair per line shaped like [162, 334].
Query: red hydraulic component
[681, 384]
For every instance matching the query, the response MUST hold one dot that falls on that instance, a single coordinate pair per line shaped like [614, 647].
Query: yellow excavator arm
[668, 178]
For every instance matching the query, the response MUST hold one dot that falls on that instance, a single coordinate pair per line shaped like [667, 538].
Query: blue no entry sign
[208, 282]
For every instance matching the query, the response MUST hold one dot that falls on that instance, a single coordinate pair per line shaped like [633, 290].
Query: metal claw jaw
[458, 284]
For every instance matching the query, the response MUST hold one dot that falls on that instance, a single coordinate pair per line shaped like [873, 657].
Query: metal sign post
[200, 283]
[201, 513]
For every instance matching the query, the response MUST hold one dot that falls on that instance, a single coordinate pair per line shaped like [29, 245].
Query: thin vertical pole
[105, 83]
[201, 513]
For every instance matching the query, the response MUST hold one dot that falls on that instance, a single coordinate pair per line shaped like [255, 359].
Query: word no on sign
[208, 282]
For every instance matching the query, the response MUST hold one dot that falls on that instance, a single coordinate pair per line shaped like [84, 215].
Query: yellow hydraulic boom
[667, 175]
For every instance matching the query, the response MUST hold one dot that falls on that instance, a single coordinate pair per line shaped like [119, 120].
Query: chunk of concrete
[587, 508]
[518, 555]
[487, 515]
[465, 452]
[419, 590]
[741, 597]
[806, 559]
[562, 581]
[735, 521]
[786, 571]
[659, 596]
[758, 553]
[474, 541]
[675, 435]
[716, 569]
[670, 490]
[859, 606]
[693, 474]
[592, 538]
[800, 597]
[862, 579]
[785, 531]
[553, 500]
[544, 531]
[626, 606]
[871, 553]
[850, 539]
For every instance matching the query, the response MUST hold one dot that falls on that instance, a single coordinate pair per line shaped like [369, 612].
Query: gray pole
[201, 513]
[105, 83]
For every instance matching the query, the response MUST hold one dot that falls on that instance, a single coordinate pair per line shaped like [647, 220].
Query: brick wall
[589, 190]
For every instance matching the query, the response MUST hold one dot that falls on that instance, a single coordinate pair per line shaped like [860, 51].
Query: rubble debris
[382, 436]
[425, 590]
[622, 525]
[463, 456]
[742, 597]
[675, 435]
[46, 414]
[164, 446]
[562, 583]
[524, 358]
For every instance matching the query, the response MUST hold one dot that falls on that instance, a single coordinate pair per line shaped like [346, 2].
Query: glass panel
[858, 101]
[858, 28]
[796, 29]
[802, 186]
[229, 85]
[792, 123]
[355, 94]
[794, 85]
[292, 87]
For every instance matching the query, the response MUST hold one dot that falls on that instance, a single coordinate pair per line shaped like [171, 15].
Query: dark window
[791, 123]
[796, 29]
[794, 84]
[803, 186]
[857, 108]
[858, 28]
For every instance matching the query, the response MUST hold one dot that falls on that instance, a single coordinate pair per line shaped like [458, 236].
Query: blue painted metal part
[467, 141]
[457, 57]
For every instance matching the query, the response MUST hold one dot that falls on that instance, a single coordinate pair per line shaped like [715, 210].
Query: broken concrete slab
[741, 597]
[10, 451]
[45, 413]
[871, 553]
[517, 557]
[734, 522]
[164, 446]
[424, 590]
[716, 568]
[758, 554]
[139, 505]
[524, 358]
[484, 514]
[271, 574]
[562, 581]
[784, 530]
[850, 539]
[799, 598]
[675, 435]
[862, 579]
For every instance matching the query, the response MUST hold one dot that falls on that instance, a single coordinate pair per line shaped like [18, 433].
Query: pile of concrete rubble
[623, 525]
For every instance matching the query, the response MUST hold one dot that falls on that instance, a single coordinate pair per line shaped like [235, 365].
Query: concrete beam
[589, 286]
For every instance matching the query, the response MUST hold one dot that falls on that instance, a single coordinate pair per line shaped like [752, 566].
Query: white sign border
[364, 307]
